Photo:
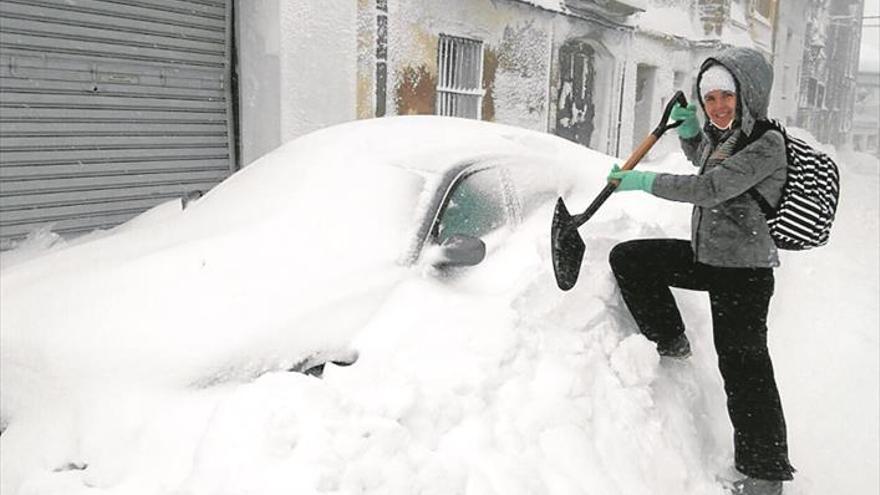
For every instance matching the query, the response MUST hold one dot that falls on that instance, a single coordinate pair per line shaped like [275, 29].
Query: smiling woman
[731, 255]
[721, 108]
[719, 96]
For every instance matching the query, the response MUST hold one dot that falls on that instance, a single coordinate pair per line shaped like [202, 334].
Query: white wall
[284, 47]
[669, 57]
[788, 52]
[259, 46]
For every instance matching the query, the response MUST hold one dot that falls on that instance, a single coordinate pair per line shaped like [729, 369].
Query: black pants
[740, 298]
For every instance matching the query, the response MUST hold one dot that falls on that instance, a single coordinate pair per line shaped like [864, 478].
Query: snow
[551, 5]
[668, 20]
[485, 381]
[869, 56]
[285, 47]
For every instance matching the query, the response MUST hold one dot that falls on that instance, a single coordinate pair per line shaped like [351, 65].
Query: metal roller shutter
[109, 107]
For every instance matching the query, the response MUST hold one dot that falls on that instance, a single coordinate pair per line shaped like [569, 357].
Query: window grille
[460, 74]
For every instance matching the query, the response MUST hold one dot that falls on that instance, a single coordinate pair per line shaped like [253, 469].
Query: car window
[534, 186]
[475, 207]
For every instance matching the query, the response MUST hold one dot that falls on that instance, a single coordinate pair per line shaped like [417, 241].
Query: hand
[690, 126]
[632, 180]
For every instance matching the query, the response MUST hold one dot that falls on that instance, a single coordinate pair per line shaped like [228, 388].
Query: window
[476, 207]
[646, 76]
[460, 74]
[679, 81]
[811, 92]
[785, 71]
[857, 142]
[820, 96]
[786, 67]
[764, 8]
[531, 188]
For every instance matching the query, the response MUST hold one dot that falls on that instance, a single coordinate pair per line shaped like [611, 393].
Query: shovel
[565, 241]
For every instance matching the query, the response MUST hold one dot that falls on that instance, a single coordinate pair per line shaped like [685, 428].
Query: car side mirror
[461, 250]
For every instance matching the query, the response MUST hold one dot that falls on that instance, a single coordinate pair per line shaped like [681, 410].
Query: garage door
[109, 107]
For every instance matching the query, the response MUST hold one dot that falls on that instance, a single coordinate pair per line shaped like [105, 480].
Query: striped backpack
[809, 198]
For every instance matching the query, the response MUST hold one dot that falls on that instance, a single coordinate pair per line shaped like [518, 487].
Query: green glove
[690, 126]
[632, 180]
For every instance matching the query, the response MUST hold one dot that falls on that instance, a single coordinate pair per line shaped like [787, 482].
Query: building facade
[866, 118]
[829, 69]
[788, 56]
[93, 135]
[549, 66]
[597, 73]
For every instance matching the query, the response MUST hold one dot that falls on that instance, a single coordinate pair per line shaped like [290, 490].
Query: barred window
[460, 74]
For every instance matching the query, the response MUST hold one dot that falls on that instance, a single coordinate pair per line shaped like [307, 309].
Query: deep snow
[495, 382]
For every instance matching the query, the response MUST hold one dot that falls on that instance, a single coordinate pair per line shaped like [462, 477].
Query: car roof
[442, 144]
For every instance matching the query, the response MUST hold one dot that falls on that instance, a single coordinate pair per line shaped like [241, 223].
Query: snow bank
[491, 381]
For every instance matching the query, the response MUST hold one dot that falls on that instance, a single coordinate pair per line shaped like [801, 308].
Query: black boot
[677, 348]
[754, 486]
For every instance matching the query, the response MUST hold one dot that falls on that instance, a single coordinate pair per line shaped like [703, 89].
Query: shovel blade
[567, 247]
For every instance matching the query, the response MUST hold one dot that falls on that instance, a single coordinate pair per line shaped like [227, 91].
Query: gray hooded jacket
[728, 228]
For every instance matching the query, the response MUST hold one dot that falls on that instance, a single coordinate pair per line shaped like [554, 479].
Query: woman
[731, 254]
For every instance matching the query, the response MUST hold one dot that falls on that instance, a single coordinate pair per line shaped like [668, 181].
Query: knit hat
[714, 78]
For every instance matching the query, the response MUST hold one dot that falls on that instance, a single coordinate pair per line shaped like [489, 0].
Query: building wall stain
[490, 67]
[366, 32]
[416, 91]
[522, 50]
[364, 95]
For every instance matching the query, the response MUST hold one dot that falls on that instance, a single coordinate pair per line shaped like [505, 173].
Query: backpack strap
[768, 210]
[758, 131]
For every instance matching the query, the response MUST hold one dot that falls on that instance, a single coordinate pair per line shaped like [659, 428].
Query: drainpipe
[381, 57]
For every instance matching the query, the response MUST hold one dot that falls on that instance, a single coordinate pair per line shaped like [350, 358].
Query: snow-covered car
[278, 266]
[130, 358]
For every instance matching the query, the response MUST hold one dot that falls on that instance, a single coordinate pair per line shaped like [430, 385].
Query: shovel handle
[657, 133]
[634, 158]
[639, 152]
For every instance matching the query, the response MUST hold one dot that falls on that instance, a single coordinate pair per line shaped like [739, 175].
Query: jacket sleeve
[734, 176]
[693, 148]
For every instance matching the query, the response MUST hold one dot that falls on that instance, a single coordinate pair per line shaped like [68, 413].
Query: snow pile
[551, 5]
[492, 381]
[674, 20]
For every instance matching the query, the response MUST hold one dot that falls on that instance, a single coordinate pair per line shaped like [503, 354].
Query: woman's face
[720, 107]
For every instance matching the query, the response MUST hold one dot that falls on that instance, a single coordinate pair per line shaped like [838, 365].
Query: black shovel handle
[663, 126]
[634, 158]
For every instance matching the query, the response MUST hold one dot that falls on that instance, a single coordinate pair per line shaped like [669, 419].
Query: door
[576, 109]
[108, 108]
[642, 114]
